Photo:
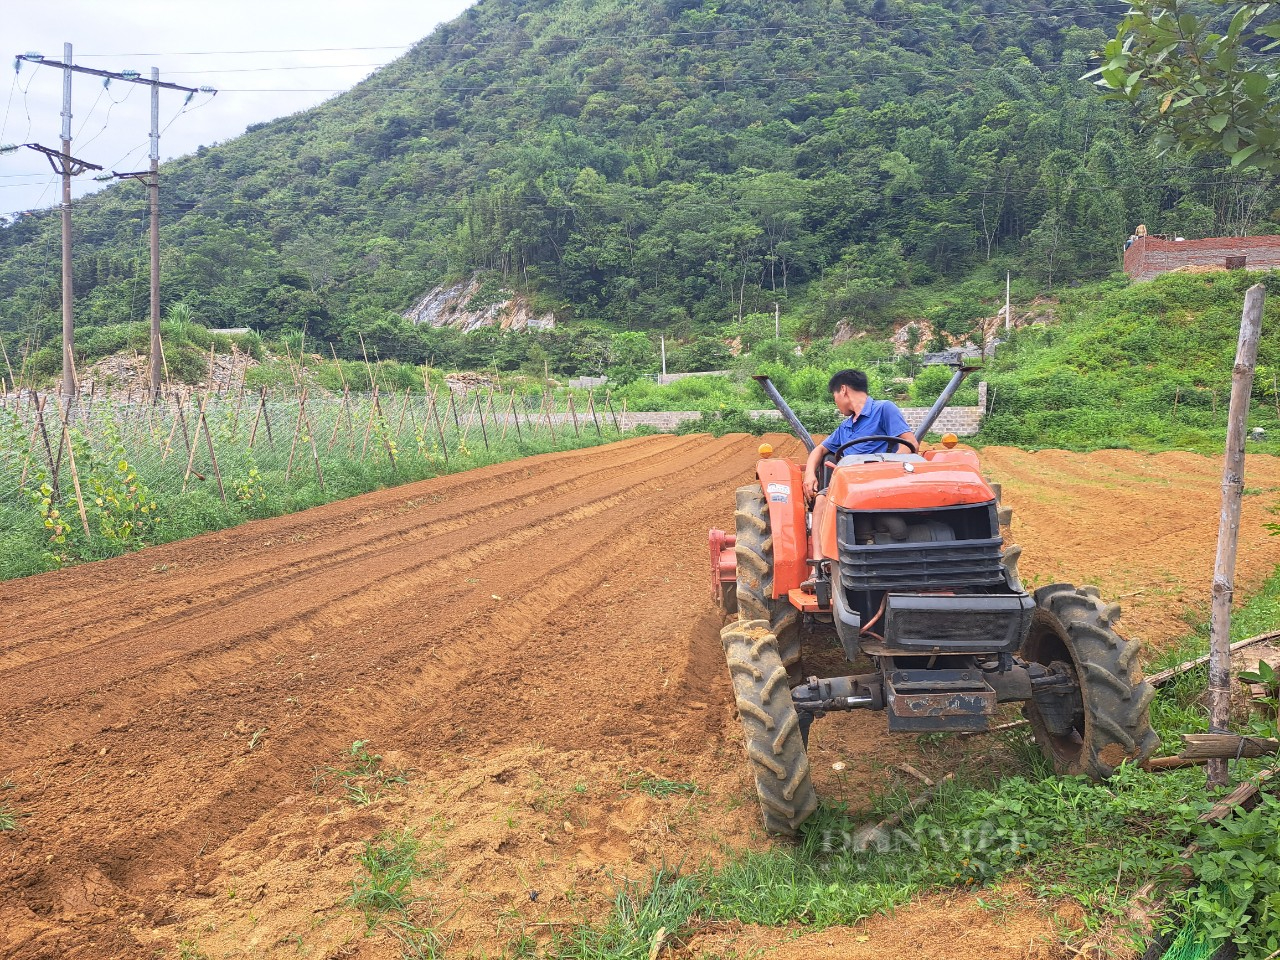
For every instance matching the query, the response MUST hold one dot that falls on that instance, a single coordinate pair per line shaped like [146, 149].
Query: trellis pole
[1229, 524]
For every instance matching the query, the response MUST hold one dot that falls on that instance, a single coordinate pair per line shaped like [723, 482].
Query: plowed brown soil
[527, 642]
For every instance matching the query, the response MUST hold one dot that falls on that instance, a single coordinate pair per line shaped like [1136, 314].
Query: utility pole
[777, 329]
[662, 341]
[70, 167]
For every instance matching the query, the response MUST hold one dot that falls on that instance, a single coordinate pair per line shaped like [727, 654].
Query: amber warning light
[766, 451]
[949, 440]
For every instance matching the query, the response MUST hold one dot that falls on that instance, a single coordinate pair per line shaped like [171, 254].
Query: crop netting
[230, 445]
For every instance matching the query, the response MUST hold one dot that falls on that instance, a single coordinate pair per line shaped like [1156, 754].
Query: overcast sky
[267, 59]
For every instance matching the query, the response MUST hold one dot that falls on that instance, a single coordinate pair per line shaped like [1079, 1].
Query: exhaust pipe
[940, 404]
[788, 414]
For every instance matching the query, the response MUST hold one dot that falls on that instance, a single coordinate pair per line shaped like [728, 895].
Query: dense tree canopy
[654, 164]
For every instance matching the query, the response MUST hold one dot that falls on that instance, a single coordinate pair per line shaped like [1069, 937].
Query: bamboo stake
[591, 407]
[337, 421]
[213, 458]
[191, 446]
[168, 443]
[435, 413]
[484, 434]
[48, 449]
[262, 403]
[1156, 679]
[297, 429]
[515, 415]
[368, 427]
[453, 407]
[546, 408]
[75, 477]
[311, 436]
[403, 407]
[1229, 523]
[624, 414]
[373, 380]
[386, 441]
[235, 417]
[182, 419]
[574, 414]
[12, 379]
[506, 418]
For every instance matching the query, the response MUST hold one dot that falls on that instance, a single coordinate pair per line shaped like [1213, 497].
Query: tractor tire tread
[754, 552]
[1117, 700]
[771, 727]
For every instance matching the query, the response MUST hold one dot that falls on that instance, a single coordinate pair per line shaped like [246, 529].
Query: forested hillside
[652, 164]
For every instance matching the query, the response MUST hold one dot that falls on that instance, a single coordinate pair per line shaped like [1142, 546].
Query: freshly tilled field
[528, 644]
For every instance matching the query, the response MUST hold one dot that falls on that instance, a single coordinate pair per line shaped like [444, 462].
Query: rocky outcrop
[468, 306]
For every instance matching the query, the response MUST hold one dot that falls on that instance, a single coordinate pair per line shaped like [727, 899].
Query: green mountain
[651, 164]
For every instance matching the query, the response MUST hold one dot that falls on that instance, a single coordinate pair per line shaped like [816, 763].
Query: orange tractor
[914, 574]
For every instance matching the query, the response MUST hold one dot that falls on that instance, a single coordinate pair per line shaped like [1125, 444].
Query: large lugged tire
[770, 725]
[755, 577]
[1075, 627]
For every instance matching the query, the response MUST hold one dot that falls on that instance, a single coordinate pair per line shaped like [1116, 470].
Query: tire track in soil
[349, 540]
[126, 729]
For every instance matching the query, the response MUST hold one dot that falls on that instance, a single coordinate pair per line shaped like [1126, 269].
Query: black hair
[853, 379]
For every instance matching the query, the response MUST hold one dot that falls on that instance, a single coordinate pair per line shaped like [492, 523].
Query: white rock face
[451, 307]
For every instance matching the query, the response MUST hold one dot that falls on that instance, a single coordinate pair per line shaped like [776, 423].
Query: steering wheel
[913, 447]
[830, 461]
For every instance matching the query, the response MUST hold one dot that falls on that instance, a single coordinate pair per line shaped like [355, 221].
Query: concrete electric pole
[68, 167]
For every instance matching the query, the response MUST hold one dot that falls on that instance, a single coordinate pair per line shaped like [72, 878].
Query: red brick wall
[1148, 257]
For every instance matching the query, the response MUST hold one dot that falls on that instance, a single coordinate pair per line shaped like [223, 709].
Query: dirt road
[527, 642]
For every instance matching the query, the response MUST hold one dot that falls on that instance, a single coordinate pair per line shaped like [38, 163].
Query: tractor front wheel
[771, 726]
[1108, 720]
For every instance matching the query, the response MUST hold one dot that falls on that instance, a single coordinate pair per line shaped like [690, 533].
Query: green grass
[384, 894]
[363, 777]
[659, 786]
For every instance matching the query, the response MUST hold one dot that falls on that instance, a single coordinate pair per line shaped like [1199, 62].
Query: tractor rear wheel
[1110, 721]
[755, 577]
[771, 726]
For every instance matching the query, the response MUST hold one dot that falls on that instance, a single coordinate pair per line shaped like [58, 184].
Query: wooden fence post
[1229, 524]
[608, 400]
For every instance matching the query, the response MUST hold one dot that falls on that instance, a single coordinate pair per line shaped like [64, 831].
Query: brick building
[1149, 257]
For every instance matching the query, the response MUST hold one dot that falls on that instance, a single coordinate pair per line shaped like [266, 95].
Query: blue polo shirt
[878, 416]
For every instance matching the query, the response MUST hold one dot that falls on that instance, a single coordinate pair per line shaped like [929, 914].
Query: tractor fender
[783, 484]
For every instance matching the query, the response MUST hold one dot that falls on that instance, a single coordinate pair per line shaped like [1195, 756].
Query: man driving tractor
[866, 417]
